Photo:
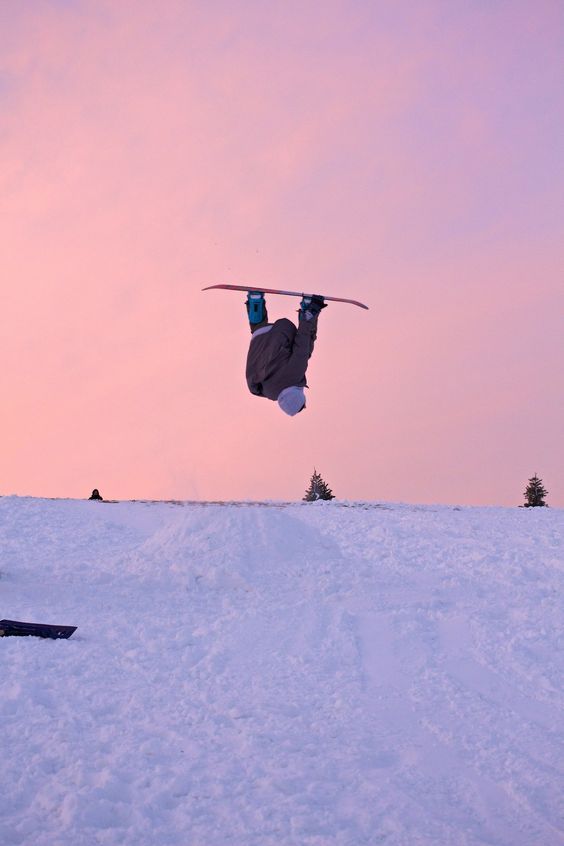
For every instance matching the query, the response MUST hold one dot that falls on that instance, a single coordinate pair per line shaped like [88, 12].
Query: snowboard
[284, 293]
[10, 628]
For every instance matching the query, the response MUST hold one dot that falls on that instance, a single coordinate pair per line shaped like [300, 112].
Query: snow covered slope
[308, 674]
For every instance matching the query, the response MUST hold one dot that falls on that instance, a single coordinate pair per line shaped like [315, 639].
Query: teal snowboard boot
[256, 308]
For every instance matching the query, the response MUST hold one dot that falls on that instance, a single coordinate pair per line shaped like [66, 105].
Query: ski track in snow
[304, 674]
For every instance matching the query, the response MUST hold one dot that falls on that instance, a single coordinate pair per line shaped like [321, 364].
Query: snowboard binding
[310, 307]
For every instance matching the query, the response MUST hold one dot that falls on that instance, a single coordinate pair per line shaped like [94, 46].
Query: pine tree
[535, 493]
[318, 489]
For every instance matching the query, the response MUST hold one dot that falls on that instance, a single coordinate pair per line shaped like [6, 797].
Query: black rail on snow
[16, 628]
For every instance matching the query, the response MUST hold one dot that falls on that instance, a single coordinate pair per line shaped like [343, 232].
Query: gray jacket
[278, 357]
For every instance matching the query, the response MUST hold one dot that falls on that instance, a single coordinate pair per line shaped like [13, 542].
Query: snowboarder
[96, 495]
[279, 352]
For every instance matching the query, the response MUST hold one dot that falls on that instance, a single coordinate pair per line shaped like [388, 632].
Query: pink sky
[405, 154]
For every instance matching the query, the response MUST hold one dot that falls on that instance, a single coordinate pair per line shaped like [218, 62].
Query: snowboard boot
[310, 307]
[256, 309]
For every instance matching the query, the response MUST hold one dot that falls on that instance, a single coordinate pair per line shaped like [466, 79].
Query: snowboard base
[284, 293]
[15, 628]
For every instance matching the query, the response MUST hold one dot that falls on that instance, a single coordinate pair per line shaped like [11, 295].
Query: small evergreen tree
[318, 489]
[535, 493]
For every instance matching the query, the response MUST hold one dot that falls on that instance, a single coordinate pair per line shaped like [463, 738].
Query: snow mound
[306, 674]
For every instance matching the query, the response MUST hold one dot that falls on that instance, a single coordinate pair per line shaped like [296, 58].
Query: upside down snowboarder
[279, 352]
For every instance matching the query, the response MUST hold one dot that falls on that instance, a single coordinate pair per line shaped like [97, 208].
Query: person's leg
[295, 368]
[310, 308]
[256, 310]
[304, 341]
[293, 372]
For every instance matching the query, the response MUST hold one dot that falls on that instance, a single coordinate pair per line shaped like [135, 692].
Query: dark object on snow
[535, 493]
[15, 628]
[318, 489]
[96, 495]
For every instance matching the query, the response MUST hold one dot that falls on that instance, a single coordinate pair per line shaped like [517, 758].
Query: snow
[321, 674]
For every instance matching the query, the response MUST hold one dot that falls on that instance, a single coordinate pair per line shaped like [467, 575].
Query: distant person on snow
[279, 352]
[96, 494]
